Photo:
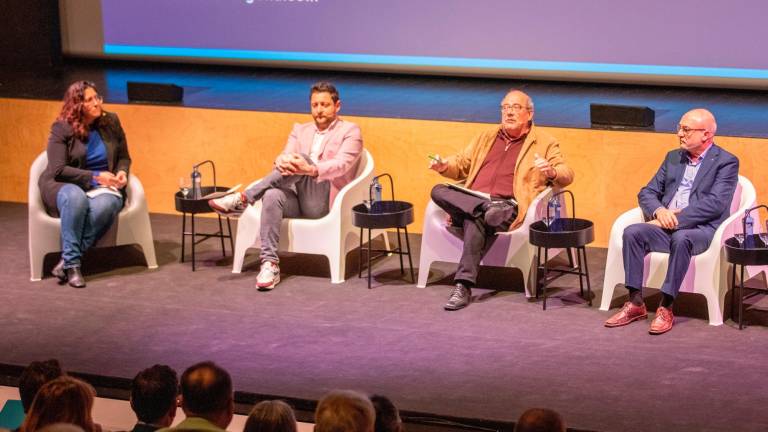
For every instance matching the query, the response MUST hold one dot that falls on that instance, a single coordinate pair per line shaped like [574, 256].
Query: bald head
[696, 131]
[206, 391]
[703, 119]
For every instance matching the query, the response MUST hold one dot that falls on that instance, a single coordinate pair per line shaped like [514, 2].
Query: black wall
[29, 33]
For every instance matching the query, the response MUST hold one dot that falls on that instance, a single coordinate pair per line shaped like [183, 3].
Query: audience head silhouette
[344, 411]
[271, 416]
[34, 376]
[206, 391]
[387, 415]
[154, 393]
[540, 420]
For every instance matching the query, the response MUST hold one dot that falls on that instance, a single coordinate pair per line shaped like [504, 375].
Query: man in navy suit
[684, 203]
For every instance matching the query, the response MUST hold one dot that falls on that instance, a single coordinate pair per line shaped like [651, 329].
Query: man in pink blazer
[320, 158]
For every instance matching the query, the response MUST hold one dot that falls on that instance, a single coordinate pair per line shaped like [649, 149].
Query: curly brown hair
[73, 108]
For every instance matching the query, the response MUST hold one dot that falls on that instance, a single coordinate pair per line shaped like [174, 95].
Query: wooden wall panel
[166, 141]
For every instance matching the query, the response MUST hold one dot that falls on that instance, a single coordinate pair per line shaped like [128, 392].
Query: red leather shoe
[663, 321]
[628, 313]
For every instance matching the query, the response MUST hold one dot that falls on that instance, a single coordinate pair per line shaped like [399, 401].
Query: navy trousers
[642, 238]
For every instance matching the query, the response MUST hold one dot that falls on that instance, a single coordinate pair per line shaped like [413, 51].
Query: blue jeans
[83, 220]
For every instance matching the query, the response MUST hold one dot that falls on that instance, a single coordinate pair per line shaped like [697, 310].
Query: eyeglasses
[512, 108]
[686, 130]
[95, 100]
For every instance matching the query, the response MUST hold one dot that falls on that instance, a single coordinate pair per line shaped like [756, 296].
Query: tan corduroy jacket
[529, 181]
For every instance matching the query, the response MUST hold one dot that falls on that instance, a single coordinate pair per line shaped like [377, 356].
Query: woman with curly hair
[84, 183]
[63, 400]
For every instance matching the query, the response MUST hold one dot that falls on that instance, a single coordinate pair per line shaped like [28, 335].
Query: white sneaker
[269, 275]
[234, 203]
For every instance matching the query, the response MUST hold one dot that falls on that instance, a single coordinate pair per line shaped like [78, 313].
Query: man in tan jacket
[513, 160]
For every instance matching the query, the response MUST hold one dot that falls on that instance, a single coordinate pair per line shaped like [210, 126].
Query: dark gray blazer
[66, 158]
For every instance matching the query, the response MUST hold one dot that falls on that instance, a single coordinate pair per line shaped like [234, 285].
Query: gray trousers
[467, 214]
[295, 196]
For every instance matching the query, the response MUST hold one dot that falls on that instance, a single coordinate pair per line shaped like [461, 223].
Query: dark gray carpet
[492, 360]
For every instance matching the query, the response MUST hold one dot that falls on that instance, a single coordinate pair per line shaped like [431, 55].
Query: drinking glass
[764, 235]
[185, 183]
[739, 238]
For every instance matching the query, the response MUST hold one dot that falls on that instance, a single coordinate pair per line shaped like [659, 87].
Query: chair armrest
[624, 220]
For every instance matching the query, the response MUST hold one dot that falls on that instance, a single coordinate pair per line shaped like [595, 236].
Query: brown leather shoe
[663, 321]
[628, 313]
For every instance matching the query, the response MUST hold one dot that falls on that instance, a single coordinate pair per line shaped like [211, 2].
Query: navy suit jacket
[711, 194]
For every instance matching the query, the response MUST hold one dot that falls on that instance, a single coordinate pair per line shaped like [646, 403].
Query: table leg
[183, 233]
[578, 259]
[536, 278]
[221, 233]
[360, 256]
[586, 271]
[741, 299]
[193, 241]
[410, 263]
[369, 259]
[231, 241]
[400, 251]
[544, 277]
[733, 292]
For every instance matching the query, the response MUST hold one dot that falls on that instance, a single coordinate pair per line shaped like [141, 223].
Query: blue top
[96, 156]
[683, 194]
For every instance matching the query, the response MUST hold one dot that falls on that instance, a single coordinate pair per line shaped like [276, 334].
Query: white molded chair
[133, 225]
[332, 235]
[511, 249]
[708, 271]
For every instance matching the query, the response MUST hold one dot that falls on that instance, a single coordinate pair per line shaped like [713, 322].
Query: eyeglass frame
[687, 131]
[514, 108]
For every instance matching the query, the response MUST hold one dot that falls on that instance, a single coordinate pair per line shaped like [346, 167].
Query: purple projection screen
[559, 38]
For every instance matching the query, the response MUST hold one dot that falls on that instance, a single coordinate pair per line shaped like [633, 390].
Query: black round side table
[382, 215]
[199, 206]
[565, 233]
[741, 255]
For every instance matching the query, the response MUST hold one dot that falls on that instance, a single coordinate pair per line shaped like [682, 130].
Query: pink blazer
[339, 154]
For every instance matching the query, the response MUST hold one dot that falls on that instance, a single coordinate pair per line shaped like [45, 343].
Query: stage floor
[740, 113]
[493, 360]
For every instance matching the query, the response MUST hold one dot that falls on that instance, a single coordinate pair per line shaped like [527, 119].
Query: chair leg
[36, 260]
[338, 266]
[423, 273]
[148, 247]
[238, 258]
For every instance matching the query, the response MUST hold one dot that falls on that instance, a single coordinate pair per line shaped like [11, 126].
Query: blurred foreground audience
[344, 411]
[271, 416]
[540, 420]
[154, 397]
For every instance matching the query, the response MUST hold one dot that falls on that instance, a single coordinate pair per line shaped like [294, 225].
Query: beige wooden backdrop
[166, 141]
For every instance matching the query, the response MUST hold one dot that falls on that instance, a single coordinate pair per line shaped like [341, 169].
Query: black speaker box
[153, 92]
[621, 116]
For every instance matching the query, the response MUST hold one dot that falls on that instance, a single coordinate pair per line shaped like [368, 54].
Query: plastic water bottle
[197, 190]
[749, 229]
[554, 212]
[376, 190]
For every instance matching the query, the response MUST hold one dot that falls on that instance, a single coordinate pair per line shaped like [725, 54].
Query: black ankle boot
[75, 278]
[59, 271]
